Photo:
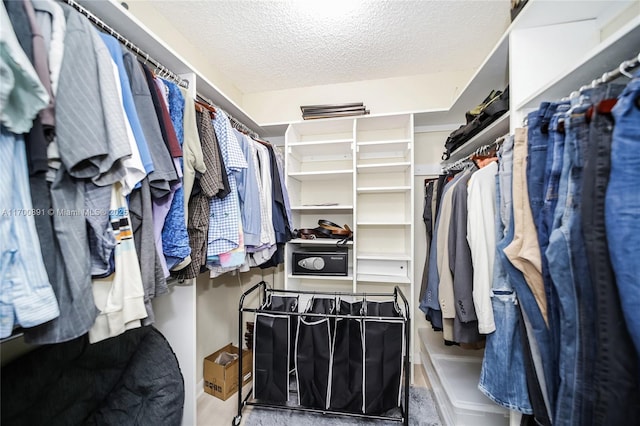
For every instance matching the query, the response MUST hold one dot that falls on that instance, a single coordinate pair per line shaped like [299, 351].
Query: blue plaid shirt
[224, 216]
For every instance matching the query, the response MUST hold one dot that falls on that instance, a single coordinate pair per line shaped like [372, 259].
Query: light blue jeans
[503, 377]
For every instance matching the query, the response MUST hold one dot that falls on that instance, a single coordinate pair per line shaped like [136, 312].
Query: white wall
[428, 149]
[217, 310]
[390, 95]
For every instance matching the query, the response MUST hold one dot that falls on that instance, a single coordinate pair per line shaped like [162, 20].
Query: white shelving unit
[363, 166]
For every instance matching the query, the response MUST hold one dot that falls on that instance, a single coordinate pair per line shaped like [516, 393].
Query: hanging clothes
[120, 297]
[225, 218]
[175, 238]
[481, 235]
[465, 324]
[205, 187]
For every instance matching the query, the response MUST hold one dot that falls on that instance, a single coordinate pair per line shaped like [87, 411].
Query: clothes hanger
[205, 107]
[623, 69]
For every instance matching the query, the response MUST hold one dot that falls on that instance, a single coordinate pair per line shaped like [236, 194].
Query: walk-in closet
[420, 212]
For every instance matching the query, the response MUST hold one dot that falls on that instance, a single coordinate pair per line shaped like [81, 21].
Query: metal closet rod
[479, 151]
[161, 69]
[240, 126]
[622, 69]
[234, 121]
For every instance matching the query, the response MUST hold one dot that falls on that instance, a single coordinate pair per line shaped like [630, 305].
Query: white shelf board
[382, 145]
[492, 74]
[538, 13]
[624, 44]
[498, 128]
[384, 167]
[273, 129]
[383, 256]
[320, 143]
[384, 223]
[319, 242]
[329, 175]
[383, 189]
[383, 279]
[322, 149]
[323, 277]
[333, 209]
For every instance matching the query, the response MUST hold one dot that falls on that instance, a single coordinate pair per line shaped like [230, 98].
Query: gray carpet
[422, 412]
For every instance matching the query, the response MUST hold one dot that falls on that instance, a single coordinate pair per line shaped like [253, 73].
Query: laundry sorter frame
[405, 319]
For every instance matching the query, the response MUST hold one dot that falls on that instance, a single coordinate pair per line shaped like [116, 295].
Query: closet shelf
[315, 151]
[328, 175]
[319, 209]
[498, 128]
[383, 189]
[493, 73]
[383, 256]
[394, 148]
[319, 242]
[382, 143]
[384, 167]
[312, 143]
[324, 277]
[387, 223]
[613, 50]
[377, 278]
[539, 13]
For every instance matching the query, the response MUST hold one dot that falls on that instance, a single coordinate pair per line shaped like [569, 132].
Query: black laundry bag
[273, 333]
[346, 368]
[383, 351]
[313, 354]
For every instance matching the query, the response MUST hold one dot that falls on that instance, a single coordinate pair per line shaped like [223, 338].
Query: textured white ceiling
[273, 45]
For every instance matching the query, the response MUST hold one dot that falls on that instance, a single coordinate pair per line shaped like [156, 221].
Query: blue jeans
[585, 386]
[553, 170]
[503, 377]
[622, 208]
[617, 387]
[569, 272]
[538, 136]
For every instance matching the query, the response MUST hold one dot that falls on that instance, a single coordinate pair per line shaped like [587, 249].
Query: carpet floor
[422, 412]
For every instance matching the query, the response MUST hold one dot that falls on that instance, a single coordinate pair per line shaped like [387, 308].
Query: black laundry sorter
[329, 352]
